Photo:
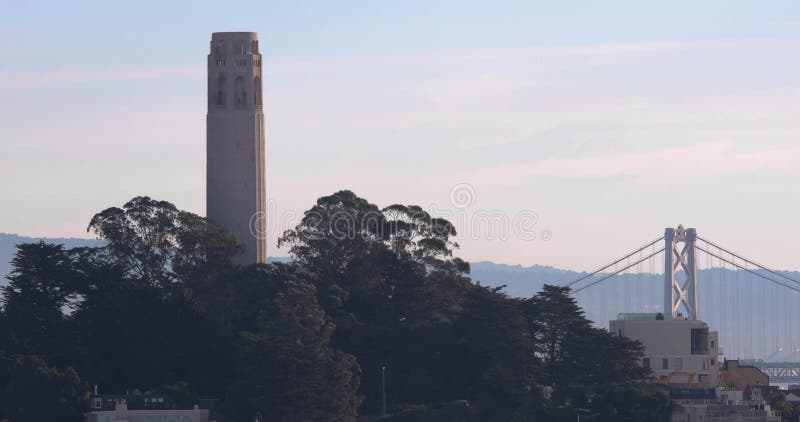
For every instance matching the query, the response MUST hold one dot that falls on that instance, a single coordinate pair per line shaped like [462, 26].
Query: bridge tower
[679, 255]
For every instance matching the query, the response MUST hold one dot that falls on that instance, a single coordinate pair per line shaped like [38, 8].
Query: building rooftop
[146, 402]
[639, 316]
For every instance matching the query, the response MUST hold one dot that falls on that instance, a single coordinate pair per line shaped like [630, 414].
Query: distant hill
[9, 242]
[519, 281]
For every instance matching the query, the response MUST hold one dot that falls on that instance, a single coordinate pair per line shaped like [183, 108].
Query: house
[738, 377]
[715, 405]
[793, 397]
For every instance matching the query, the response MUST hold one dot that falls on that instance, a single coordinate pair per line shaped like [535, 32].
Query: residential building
[149, 408]
[738, 377]
[677, 351]
[715, 405]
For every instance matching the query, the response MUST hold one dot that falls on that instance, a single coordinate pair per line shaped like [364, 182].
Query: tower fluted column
[235, 179]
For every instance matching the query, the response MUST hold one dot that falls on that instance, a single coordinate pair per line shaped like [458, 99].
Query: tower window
[241, 93]
[220, 94]
[254, 47]
[220, 49]
[240, 47]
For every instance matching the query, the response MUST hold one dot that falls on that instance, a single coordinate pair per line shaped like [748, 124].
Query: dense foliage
[372, 296]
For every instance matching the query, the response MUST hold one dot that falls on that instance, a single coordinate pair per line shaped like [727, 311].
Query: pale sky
[608, 120]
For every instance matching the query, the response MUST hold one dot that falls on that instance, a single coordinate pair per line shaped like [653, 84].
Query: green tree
[601, 359]
[148, 310]
[491, 360]
[554, 317]
[335, 233]
[130, 337]
[414, 234]
[32, 391]
[40, 286]
[342, 229]
[158, 245]
[285, 367]
[789, 411]
[578, 360]
[386, 276]
[370, 288]
[632, 402]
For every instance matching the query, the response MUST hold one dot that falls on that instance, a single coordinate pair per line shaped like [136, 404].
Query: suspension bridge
[755, 309]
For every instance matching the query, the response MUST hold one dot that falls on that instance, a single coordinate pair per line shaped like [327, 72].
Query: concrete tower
[235, 192]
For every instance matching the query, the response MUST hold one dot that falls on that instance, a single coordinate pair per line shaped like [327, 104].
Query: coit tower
[235, 192]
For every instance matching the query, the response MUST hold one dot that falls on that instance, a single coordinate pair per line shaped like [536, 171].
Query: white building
[142, 409]
[707, 405]
[678, 351]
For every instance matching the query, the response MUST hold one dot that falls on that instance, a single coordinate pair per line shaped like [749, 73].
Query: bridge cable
[774, 334]
[749, 260]
[617, 272]
[572, 283]
[748, 270]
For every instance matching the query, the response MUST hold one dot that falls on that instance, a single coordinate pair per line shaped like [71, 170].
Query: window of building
[712, 344]
[699, 341]
[241, 94]
[219, 99]
[254, 47]
[678, 363]
[240, 47]
[646, 363]
[665, 363]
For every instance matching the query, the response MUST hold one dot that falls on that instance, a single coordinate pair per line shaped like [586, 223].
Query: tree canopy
[371, 293]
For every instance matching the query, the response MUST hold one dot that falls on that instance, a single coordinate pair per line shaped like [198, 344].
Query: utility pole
[383, 389]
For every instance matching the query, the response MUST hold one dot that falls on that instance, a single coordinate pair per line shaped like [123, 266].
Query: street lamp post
[383, 390]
